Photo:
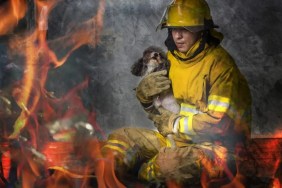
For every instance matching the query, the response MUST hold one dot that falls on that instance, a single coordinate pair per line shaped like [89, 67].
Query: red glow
[172, 184]
[6, 159]
[267, 153]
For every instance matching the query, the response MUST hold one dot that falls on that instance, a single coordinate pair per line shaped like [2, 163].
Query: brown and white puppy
[153, 60]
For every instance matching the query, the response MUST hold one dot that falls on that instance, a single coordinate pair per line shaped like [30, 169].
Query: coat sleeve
[226, 107]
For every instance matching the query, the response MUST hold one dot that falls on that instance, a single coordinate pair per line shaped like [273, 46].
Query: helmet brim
[193, 29]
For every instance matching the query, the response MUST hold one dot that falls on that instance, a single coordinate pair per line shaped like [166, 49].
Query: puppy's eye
[156, 54]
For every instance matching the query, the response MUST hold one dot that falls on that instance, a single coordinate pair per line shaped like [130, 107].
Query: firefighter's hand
[152, 85]
[163, 121]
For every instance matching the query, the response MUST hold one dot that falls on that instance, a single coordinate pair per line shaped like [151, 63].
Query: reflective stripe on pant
[137, 145]
[130, 145]
[180, 164]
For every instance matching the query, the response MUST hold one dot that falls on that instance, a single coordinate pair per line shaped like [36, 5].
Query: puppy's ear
[137, 67]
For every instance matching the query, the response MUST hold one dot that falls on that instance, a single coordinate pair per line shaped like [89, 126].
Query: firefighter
[215, 114]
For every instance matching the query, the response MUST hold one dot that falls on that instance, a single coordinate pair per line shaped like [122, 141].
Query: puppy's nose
[155, 54]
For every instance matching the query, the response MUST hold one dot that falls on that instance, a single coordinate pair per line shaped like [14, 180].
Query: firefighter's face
[184, 39]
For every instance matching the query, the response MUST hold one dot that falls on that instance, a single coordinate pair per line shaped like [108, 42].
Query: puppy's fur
[153, 60]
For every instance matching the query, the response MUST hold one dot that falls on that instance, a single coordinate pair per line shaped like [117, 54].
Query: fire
[5, 158]
[39, 57]
[102, 166]
[172, 184]
[267, 153]
[10, 13]
[277, 134]
[40, 107]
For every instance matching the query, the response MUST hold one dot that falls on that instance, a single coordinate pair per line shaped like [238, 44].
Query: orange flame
[10, 13]
[32, 97]
[39, 57]
[5, 159]
[104, 169]
[102, 166]
[277, 134]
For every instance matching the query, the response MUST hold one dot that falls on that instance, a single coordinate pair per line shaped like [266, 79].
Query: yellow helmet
[194, 15]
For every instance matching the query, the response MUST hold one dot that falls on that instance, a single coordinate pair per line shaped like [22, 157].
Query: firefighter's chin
[181, 47]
